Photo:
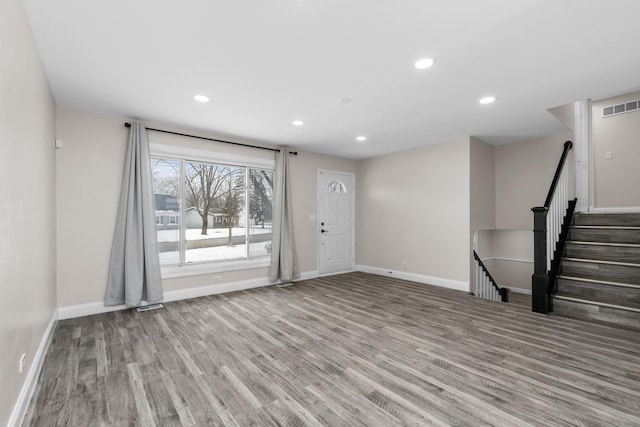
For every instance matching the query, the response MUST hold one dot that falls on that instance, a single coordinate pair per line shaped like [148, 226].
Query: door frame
[353, 218]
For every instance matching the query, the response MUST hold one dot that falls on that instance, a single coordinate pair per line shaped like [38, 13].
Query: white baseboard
[98, 307]
[458, 285]
[632, 209]
[518, 290]
[20, 408]
[307, 275]
[495, 258]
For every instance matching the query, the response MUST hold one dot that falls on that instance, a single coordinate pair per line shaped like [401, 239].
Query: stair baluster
[550, 228]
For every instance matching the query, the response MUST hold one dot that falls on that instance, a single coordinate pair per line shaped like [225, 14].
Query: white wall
[413, 206]
[27, 217]
[89, 179]
[615, 181]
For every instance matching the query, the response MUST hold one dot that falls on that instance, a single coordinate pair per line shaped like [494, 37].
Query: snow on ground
[212, 233]
[216, 253]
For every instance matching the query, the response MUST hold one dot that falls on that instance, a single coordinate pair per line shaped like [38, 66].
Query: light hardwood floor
[346, 350]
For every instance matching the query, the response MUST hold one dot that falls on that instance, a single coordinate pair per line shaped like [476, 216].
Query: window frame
[188, 154]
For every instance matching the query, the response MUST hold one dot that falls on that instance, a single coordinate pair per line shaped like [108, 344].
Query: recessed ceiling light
[344, 100]
[361, 138]
[487, 100]
[201, 98]
[298, 122]
[424, 63]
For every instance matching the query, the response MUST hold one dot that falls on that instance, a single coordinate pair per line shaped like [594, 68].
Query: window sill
[170, 272]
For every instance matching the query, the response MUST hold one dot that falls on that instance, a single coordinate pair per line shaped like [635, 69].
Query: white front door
[336, 221]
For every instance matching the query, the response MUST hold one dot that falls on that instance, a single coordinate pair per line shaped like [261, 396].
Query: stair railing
[550, 228]
[484, 285]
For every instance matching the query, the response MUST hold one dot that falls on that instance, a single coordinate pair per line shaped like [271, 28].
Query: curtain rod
[295, 153]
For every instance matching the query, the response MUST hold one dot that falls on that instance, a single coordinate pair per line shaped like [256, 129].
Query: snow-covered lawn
[216, 253]
[212, 233]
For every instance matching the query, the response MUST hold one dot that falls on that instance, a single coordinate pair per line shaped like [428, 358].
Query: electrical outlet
[22, 362]
[405, 263]
[217, 278]
[608, 155]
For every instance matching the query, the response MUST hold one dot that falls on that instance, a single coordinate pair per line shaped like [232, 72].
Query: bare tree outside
[260, 196]
[231, 203]
[204, 185]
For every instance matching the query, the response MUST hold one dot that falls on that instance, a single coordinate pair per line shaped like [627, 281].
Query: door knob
[322, 230]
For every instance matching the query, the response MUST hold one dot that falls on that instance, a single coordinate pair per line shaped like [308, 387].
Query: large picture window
[208, 212]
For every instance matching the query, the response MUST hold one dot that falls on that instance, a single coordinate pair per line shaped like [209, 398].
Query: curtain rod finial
[127, 124]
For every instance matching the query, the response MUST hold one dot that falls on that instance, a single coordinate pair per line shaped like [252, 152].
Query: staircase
[600, 270]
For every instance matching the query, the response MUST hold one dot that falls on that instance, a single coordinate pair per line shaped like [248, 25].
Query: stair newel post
[540, 300]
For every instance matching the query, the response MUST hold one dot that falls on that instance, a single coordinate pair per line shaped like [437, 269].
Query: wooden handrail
[504, 292]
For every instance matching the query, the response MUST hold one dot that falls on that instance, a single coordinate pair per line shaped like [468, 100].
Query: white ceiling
[265, 63]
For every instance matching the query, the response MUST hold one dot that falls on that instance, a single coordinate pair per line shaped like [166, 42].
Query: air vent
[627, 107]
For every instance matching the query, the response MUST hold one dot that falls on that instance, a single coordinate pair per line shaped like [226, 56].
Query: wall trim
[98, 307]
[632, 209]
[307, 275]
[518, 290]
[442, 282]
[497, 258]
[20, 408]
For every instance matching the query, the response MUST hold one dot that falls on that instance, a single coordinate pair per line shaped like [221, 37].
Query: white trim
[184, 153]
[518, 290]
[335, 273]
[497, 258]
[182, 294]
[20, 408]
[308, 275]
[79, 310]
[582, 149]
[633, 209]
[442, 282]
[172, 271]
[88, 309]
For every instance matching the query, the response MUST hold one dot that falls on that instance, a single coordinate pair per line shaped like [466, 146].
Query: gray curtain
[134, 271]
[284, 259]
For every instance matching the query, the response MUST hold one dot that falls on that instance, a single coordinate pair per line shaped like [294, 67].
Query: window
[336, 187]
[209, 213]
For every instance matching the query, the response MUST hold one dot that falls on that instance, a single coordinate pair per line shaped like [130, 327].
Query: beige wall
[512, 251]
[27, 217]
[304, 177]
[89, 179]
[508, 255]
[413, 206]
[482, 193]
[524, 171]
[482, 185]
[615, 181]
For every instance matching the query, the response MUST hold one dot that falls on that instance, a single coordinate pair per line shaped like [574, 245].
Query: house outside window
[211, 215]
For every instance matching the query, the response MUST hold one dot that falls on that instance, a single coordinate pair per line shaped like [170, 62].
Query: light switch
[608, 155]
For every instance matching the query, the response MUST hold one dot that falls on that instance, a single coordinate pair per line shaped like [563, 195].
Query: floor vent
[149, 307]
[627, 107]
[284, 285]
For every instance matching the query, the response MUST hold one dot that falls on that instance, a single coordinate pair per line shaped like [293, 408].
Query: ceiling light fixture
[298, 122]
[424, 63]
[361, 138]
[201, 98]
[487, 100]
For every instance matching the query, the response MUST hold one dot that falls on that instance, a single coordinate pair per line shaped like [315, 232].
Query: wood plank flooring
[346, 350]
